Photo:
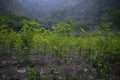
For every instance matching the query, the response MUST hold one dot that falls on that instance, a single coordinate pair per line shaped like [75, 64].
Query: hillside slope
[84, 13]
[16, 7]
[48, 12]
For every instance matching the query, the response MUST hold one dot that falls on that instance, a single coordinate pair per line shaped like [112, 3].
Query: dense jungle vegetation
[97, 50]
[59, 39]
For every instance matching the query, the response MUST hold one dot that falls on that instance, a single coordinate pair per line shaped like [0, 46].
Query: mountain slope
[48, 12]
[15, 7]
[84, 13]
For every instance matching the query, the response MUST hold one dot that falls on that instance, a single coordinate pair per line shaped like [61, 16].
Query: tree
[62, 28]
[115, 17]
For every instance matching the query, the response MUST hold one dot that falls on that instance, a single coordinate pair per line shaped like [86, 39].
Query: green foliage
[11, 21]
[115, 16]
[100, 47]
[62, 28]
[33, 76]
[71, 78]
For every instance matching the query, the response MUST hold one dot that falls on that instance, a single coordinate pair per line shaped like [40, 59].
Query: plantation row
[100, 47]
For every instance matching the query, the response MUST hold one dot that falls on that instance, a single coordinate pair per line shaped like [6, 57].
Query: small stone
[21, 70]
[4, 63]
[42, 72]
[90, 77]
[60, 78]
[86, 70]
[14, 58]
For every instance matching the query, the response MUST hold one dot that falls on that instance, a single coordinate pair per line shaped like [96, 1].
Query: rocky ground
[49, 66]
